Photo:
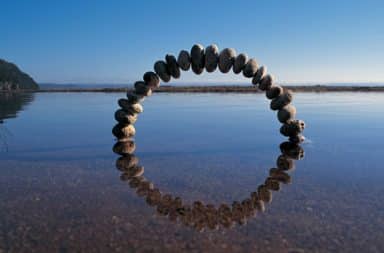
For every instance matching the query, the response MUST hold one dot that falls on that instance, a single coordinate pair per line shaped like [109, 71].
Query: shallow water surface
[61, 191]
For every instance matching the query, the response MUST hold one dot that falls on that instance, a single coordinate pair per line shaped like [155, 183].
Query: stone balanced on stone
[209, 58]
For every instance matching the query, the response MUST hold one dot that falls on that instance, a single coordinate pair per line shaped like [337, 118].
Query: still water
[60, 190]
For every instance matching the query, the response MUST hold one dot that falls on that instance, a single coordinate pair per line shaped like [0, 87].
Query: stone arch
[210, 59]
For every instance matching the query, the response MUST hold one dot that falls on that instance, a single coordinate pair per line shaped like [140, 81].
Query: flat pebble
[136, 171]
[226, 59]
[133, 97]
[286, 113]
[272, 184]
[136, 108]
[285, 163]
[126, 162]
[123, 116]
[124, 147]
[239, 63]
[250, 68]
[161, 70]
[289, 130]
[280, 175]
[133, 108]
[292, 128]
[266, 82]
[281, 101]
[292, 150]
[184, 60]
[197, 59]
[211, 58]
[142, 89]
[123, 130]
[135, 182]
[124, 103]
[173, 67]
[260, 73]
[259, 205]
[264, 194]
[274, 92]
[151, 79]
[297, 138]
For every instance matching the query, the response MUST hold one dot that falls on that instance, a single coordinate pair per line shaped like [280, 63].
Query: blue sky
[117, 41]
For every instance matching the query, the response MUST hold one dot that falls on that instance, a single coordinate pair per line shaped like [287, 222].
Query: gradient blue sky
[117, 41]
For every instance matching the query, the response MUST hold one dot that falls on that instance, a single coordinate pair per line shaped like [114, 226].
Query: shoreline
[218, 89]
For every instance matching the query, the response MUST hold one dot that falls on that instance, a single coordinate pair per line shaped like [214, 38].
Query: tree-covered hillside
[12, 78]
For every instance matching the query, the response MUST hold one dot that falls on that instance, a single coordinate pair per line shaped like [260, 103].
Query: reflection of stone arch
[209, 59]
[199, 215]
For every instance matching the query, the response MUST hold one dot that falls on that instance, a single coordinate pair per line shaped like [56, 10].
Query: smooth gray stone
[280, 175]
[281, 101]
[260, 73]
[292, 128]
[239, 63]
[125, 117]
[285, 163]
[151, 79]
[274, 92]
[133, 97]
[184, 60]
[259, 205]
[123, 130]
[130, 107]
[142, 89]
[264, 193]
[211, 58]
[161, 70]
[124, 103]
[286, 113]
[124, 147]
[300, 123]
[137, 108]
[292, 150]
[266, 83]
[173, 67]
[250, 68]
[197, 59]
[134, 172]
[272, 184]
[126, 162]
[297, 138]
[226, 59]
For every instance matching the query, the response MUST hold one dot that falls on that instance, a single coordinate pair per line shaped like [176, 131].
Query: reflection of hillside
[13, 102]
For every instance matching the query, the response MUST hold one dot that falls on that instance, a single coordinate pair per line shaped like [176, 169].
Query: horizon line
[209, 82]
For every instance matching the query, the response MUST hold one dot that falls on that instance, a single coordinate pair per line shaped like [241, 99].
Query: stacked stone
[209, 58]
[199, 215]
[131, 106]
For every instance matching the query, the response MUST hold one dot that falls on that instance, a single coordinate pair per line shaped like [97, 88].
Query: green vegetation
[12, 78]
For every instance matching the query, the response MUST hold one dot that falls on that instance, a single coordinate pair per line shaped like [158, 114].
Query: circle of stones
[199, 215]
[209, 58]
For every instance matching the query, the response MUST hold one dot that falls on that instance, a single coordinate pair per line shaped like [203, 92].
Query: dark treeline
[12, 78]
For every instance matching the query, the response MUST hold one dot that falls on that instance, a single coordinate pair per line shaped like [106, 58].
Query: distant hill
[12, 78]
[54, 86]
